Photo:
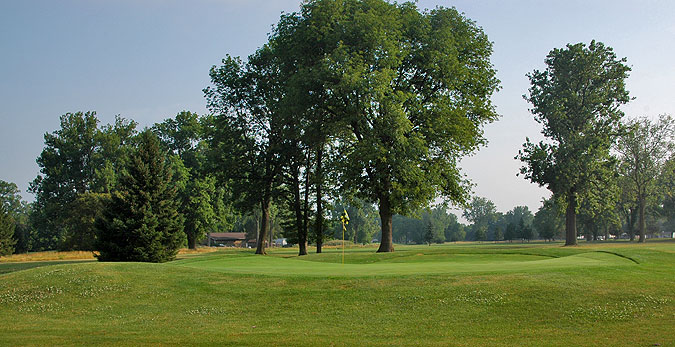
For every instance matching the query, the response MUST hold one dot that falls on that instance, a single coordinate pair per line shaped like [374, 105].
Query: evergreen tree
[429, 232]
[141, 222]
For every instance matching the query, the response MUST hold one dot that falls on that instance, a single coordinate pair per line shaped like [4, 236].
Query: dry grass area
[47, 256]
[198, 250]
[82, 255]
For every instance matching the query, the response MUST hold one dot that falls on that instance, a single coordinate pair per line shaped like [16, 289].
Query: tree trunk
[192, 241]
[641, 220]
[305, 217]
[264, 223]
[319, 198]
[356, 229]
[302, 232]
[631, 224]
[271, 230]
[386, 242]
[571, 220]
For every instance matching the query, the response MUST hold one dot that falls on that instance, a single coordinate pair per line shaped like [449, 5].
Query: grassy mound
[440, 295]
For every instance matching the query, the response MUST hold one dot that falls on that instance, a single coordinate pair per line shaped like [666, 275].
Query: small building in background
[226, 240]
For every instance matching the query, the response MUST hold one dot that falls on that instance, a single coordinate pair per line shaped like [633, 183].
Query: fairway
[617, 294]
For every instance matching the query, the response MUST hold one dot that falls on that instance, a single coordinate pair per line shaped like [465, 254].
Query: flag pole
[345, 220]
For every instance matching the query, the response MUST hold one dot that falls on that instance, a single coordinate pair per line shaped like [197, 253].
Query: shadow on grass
[12, 267]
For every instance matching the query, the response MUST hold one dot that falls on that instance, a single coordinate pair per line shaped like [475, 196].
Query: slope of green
[411, 264]
[441, 295]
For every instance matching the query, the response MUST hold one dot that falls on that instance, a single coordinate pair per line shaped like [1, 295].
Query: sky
[147, 60]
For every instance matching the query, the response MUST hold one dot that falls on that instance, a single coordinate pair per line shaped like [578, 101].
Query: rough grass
[47, 256]
[463, 295]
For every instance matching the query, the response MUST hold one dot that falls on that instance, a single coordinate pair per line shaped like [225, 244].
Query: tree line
[363, 105]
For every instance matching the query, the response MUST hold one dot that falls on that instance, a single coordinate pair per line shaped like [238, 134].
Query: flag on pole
[345, 220]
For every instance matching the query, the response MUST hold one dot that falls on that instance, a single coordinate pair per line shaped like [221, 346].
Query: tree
[245, 135]
[114, 142]
[10, 197]
[548, 221]
[200, 216]
[455, 231]
[19, 211]
[577, 100]
[411, 92]
[362, 221]
[499, 234]
[511, 232]
[525, 231]
[141, 221]
[667, 187]
[439, 220]
[428, 232]
[78, 158]
[7, 226]
[482, 213]
[84, 210]
[202, 201]
[627, 206]
[67, 169]
[644, 150]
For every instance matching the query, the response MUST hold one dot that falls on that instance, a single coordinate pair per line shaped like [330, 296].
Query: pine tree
[141, 221]
[429, 233]
[6, 232]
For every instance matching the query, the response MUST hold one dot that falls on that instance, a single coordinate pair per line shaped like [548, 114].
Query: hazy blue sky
[148, 60]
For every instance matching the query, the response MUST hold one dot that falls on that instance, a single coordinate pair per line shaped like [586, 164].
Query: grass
[464, 295]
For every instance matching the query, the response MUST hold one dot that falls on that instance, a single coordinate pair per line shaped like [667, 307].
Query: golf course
[465, 294]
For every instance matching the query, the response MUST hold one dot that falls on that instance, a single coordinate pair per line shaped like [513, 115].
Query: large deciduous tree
[644, 151]
[67, 169]
[141, 221]
[202, 201]
[78, 158]
[409, 90]
[576, 99]
[245, 136]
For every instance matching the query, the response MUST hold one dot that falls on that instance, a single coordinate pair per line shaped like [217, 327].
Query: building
[280, 243]
[226, 239]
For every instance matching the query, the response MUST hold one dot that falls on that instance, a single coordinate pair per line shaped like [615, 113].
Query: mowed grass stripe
[453, 264]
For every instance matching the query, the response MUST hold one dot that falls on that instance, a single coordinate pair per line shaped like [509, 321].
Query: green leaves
[7, 226]
[577, 100]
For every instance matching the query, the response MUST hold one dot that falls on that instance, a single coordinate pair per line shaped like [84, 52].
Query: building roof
[228, 236]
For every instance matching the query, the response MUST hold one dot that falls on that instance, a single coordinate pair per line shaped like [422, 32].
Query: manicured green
[614, 293]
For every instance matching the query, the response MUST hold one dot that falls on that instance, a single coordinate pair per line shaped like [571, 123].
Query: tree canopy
[410, 90]
[644, 150]
[576, 99]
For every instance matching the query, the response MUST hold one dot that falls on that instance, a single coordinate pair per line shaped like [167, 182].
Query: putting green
[458, 263]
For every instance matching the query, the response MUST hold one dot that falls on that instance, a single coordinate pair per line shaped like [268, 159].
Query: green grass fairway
[615, 294]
